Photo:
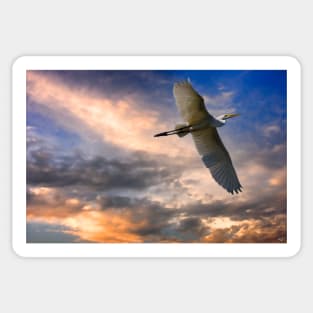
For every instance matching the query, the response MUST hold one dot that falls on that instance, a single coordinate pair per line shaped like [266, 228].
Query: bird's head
[227, 116]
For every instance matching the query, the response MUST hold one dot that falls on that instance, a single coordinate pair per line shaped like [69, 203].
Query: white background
[164, 28]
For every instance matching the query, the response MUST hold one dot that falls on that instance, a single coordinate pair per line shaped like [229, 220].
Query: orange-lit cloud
[86, 221]
[102, 226]
[124, 123]
[271, 230]
[109, 221]
[158, 189]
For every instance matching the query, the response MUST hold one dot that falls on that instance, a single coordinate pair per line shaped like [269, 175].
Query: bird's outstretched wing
[189, 103]
[216, 158]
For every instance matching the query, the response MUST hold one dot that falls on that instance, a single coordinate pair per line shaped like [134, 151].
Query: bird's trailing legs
[182, 130]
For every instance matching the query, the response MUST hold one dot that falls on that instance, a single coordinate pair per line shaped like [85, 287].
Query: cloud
[193, 229]
[93, 197]
[139, 123]
[114, 218]
[50, 203]
[222, 98]
[136, 171]
[125, 123]
[50, 211]
[271, 130]
[121, 185]
[262, 231]
[49, 233]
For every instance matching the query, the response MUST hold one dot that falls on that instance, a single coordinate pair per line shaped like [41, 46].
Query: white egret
[202, 126]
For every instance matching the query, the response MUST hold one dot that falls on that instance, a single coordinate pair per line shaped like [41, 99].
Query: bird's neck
[210, 122]
[217, 122]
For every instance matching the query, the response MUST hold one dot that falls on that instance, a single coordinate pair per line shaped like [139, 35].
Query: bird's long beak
[233, 115]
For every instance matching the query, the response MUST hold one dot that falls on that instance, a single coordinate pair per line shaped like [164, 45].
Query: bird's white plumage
[189, 103]
[216, 158]
[207, 141]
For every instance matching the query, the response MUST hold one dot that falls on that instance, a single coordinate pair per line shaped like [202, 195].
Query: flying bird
[202, 126]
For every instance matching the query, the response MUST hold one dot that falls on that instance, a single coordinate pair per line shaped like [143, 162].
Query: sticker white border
[24, 63]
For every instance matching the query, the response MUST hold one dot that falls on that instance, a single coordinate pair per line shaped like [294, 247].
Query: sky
[96, 174]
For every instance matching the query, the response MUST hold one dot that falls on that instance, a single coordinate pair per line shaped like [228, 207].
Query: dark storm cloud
[52, 203]
[159, 219]
[192, 228]
[267, 230]
[154, 215]
[261, 206]
[153, 218]
[139, 171]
